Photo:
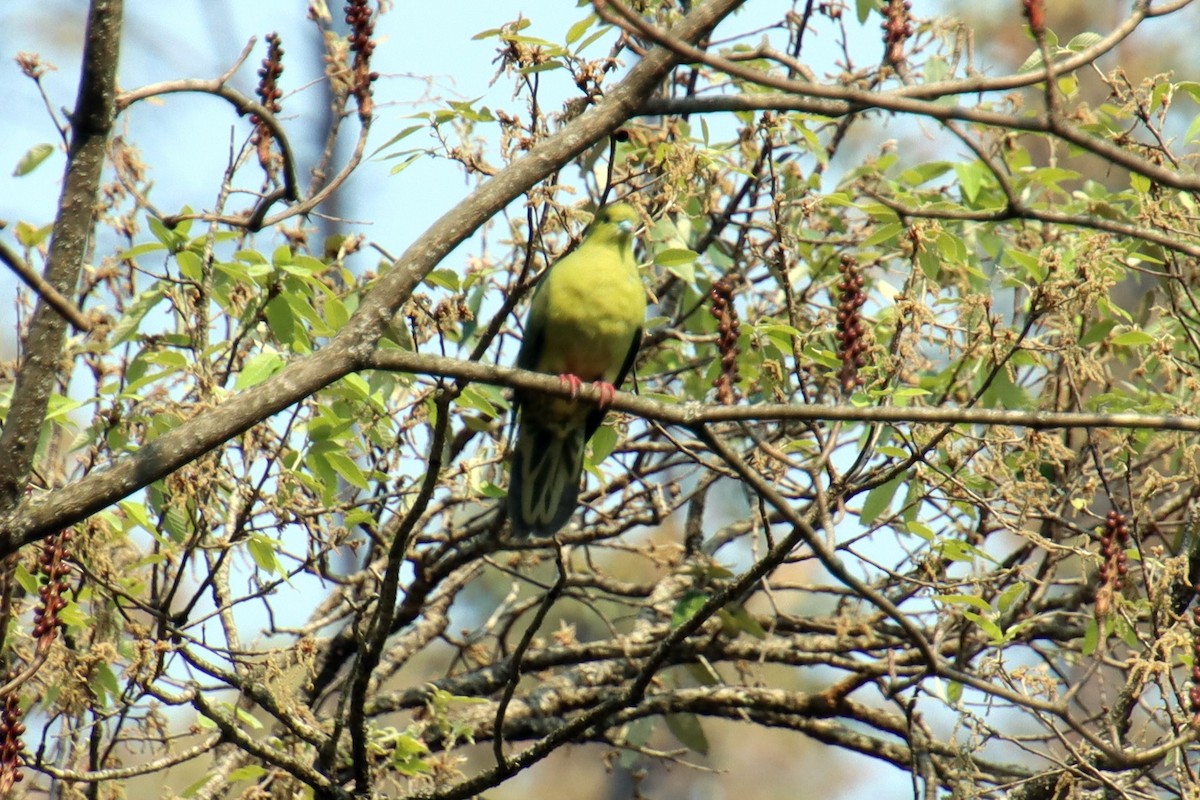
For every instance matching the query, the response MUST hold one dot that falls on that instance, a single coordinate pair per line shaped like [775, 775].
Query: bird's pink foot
[607, 392]
[571, 382]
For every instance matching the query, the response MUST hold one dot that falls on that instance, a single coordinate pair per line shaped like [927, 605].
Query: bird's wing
[596, 416]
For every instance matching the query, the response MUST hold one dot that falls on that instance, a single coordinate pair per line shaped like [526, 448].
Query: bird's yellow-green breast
[591, 303]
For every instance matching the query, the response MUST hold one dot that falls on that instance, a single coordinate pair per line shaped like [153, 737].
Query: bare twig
[44, 289]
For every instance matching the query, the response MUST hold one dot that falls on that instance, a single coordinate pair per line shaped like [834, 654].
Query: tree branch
[40, 370]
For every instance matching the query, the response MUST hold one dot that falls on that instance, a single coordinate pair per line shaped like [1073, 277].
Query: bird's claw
[607, 392]
[572, 382]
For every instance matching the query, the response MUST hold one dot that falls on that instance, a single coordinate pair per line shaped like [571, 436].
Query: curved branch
[219, 87]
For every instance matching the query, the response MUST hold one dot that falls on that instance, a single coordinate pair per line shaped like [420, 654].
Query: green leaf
[136, 312]
[408, 756]
[104, 678]
[281, 320]
[737, 618]
[249, 772]
[30, 236]
[965, 599]
[1097, 333]
[543, 67]
[170, 239]
[864, 8]
[137, 514]
[405, 132]
[1083, 41]
[675, 256]
[970, 178]
[580, 28]
[993, 631]
[445, 278]
[884, 233]
[246, 718]
[879, 499]
[262, 550]
[258, 368]
[190, 265]
[604, 441]
[687, 606]
[687, 729]
[75, 617]
[32, 158]
[28, 582]
[1091, 637]
[345, 466]
[1133, 338]
[1011, 595]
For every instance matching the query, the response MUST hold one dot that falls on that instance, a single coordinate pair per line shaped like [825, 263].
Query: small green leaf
[580, 28]
[740, 620]
[30, 236]
[1083, 41]
[104, 678]
[688, 605]
[281, 320]
[987, 626]
[604, 441]
[1097, 333]
[136, 312]
[345, 466]
[687, 729]
[965, 599]
[878, 500]
[258, 368]
[32, 158]
[170, 239]
[674, 256]
[1010, 596]
[190, 265]
[884, 233]
[1091, 637]
[250, 772]
[262, 550]
[247, 719]
[1133, 338]
[445, 278]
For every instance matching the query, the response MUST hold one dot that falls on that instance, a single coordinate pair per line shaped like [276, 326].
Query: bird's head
[617, 221]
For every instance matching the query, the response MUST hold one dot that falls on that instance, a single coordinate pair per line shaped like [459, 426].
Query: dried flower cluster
[54, 569]
[722, 309]
[362, 27]
[11, 744]
[269, 94]
[897, 29]
[1113, 541]
[850, 332]
[54, 573]
[1194, 693]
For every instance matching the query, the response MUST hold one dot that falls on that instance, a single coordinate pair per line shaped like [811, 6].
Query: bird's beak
[625, 226]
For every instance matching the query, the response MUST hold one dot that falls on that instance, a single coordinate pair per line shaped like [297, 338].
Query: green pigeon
[585, 324]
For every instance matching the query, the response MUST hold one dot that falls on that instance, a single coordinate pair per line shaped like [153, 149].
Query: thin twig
[68, 310]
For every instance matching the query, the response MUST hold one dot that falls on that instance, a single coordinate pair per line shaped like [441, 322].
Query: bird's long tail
[544, 485]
